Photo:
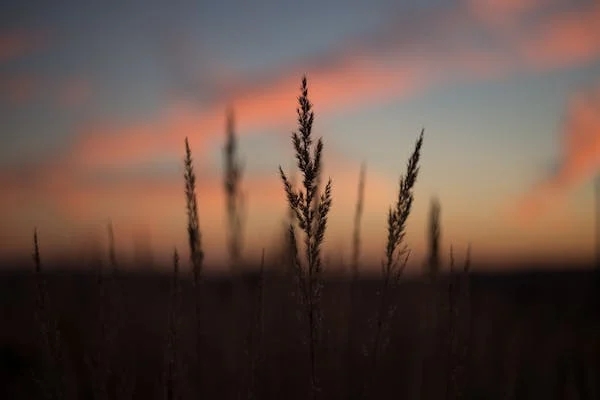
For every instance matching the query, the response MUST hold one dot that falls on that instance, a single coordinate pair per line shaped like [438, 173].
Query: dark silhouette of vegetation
[356, 239]
[458, 334]
[196, 252]
[393, 265]
[233, 193]
[112, 255]
[172, 369]
[434, 233]
[51, 383]
[310, 210]
[193, 228]
[352, 320]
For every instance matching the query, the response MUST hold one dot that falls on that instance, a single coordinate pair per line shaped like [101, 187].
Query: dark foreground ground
[514, 336]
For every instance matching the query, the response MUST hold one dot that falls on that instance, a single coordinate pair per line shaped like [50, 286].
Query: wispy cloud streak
[579, 158]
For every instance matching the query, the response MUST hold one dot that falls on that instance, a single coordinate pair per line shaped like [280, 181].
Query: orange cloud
[579, 158]
[582, 139]
[539, 200]
[272, 105]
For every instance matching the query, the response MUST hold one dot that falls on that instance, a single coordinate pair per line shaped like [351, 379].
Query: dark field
[517, 336]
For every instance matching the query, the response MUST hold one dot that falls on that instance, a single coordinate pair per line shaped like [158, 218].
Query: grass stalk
[310, 207]
[356, 244]
[99, 359]
[459, 327]
[171, 383]
[234, 200]
[114, 314]
[434, 233]
[195, 244]
[112, 255]
[257, 345]
[396, 253]
[358, 213]
[233, 194]
[52, 383]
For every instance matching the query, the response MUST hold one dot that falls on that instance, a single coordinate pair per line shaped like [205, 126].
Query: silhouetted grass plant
[358, 213]
[256, 345]
[235, 211]
[195, 245]
[112, 255]
[233, 193]
[172, 384]
[434, 233]
[52, 382]
[396, 256]
[101, 350]
[310, 210]
[193, 227]
[458, 334]
[120, 377]
[353, 292]
[430, 308]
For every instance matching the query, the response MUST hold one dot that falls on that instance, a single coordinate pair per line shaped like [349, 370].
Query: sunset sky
[96, 100]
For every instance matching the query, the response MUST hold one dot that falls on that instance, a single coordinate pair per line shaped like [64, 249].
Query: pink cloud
[112, 144]
[581, 142]
[272, 105]
[563, 39]
[579, 158]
